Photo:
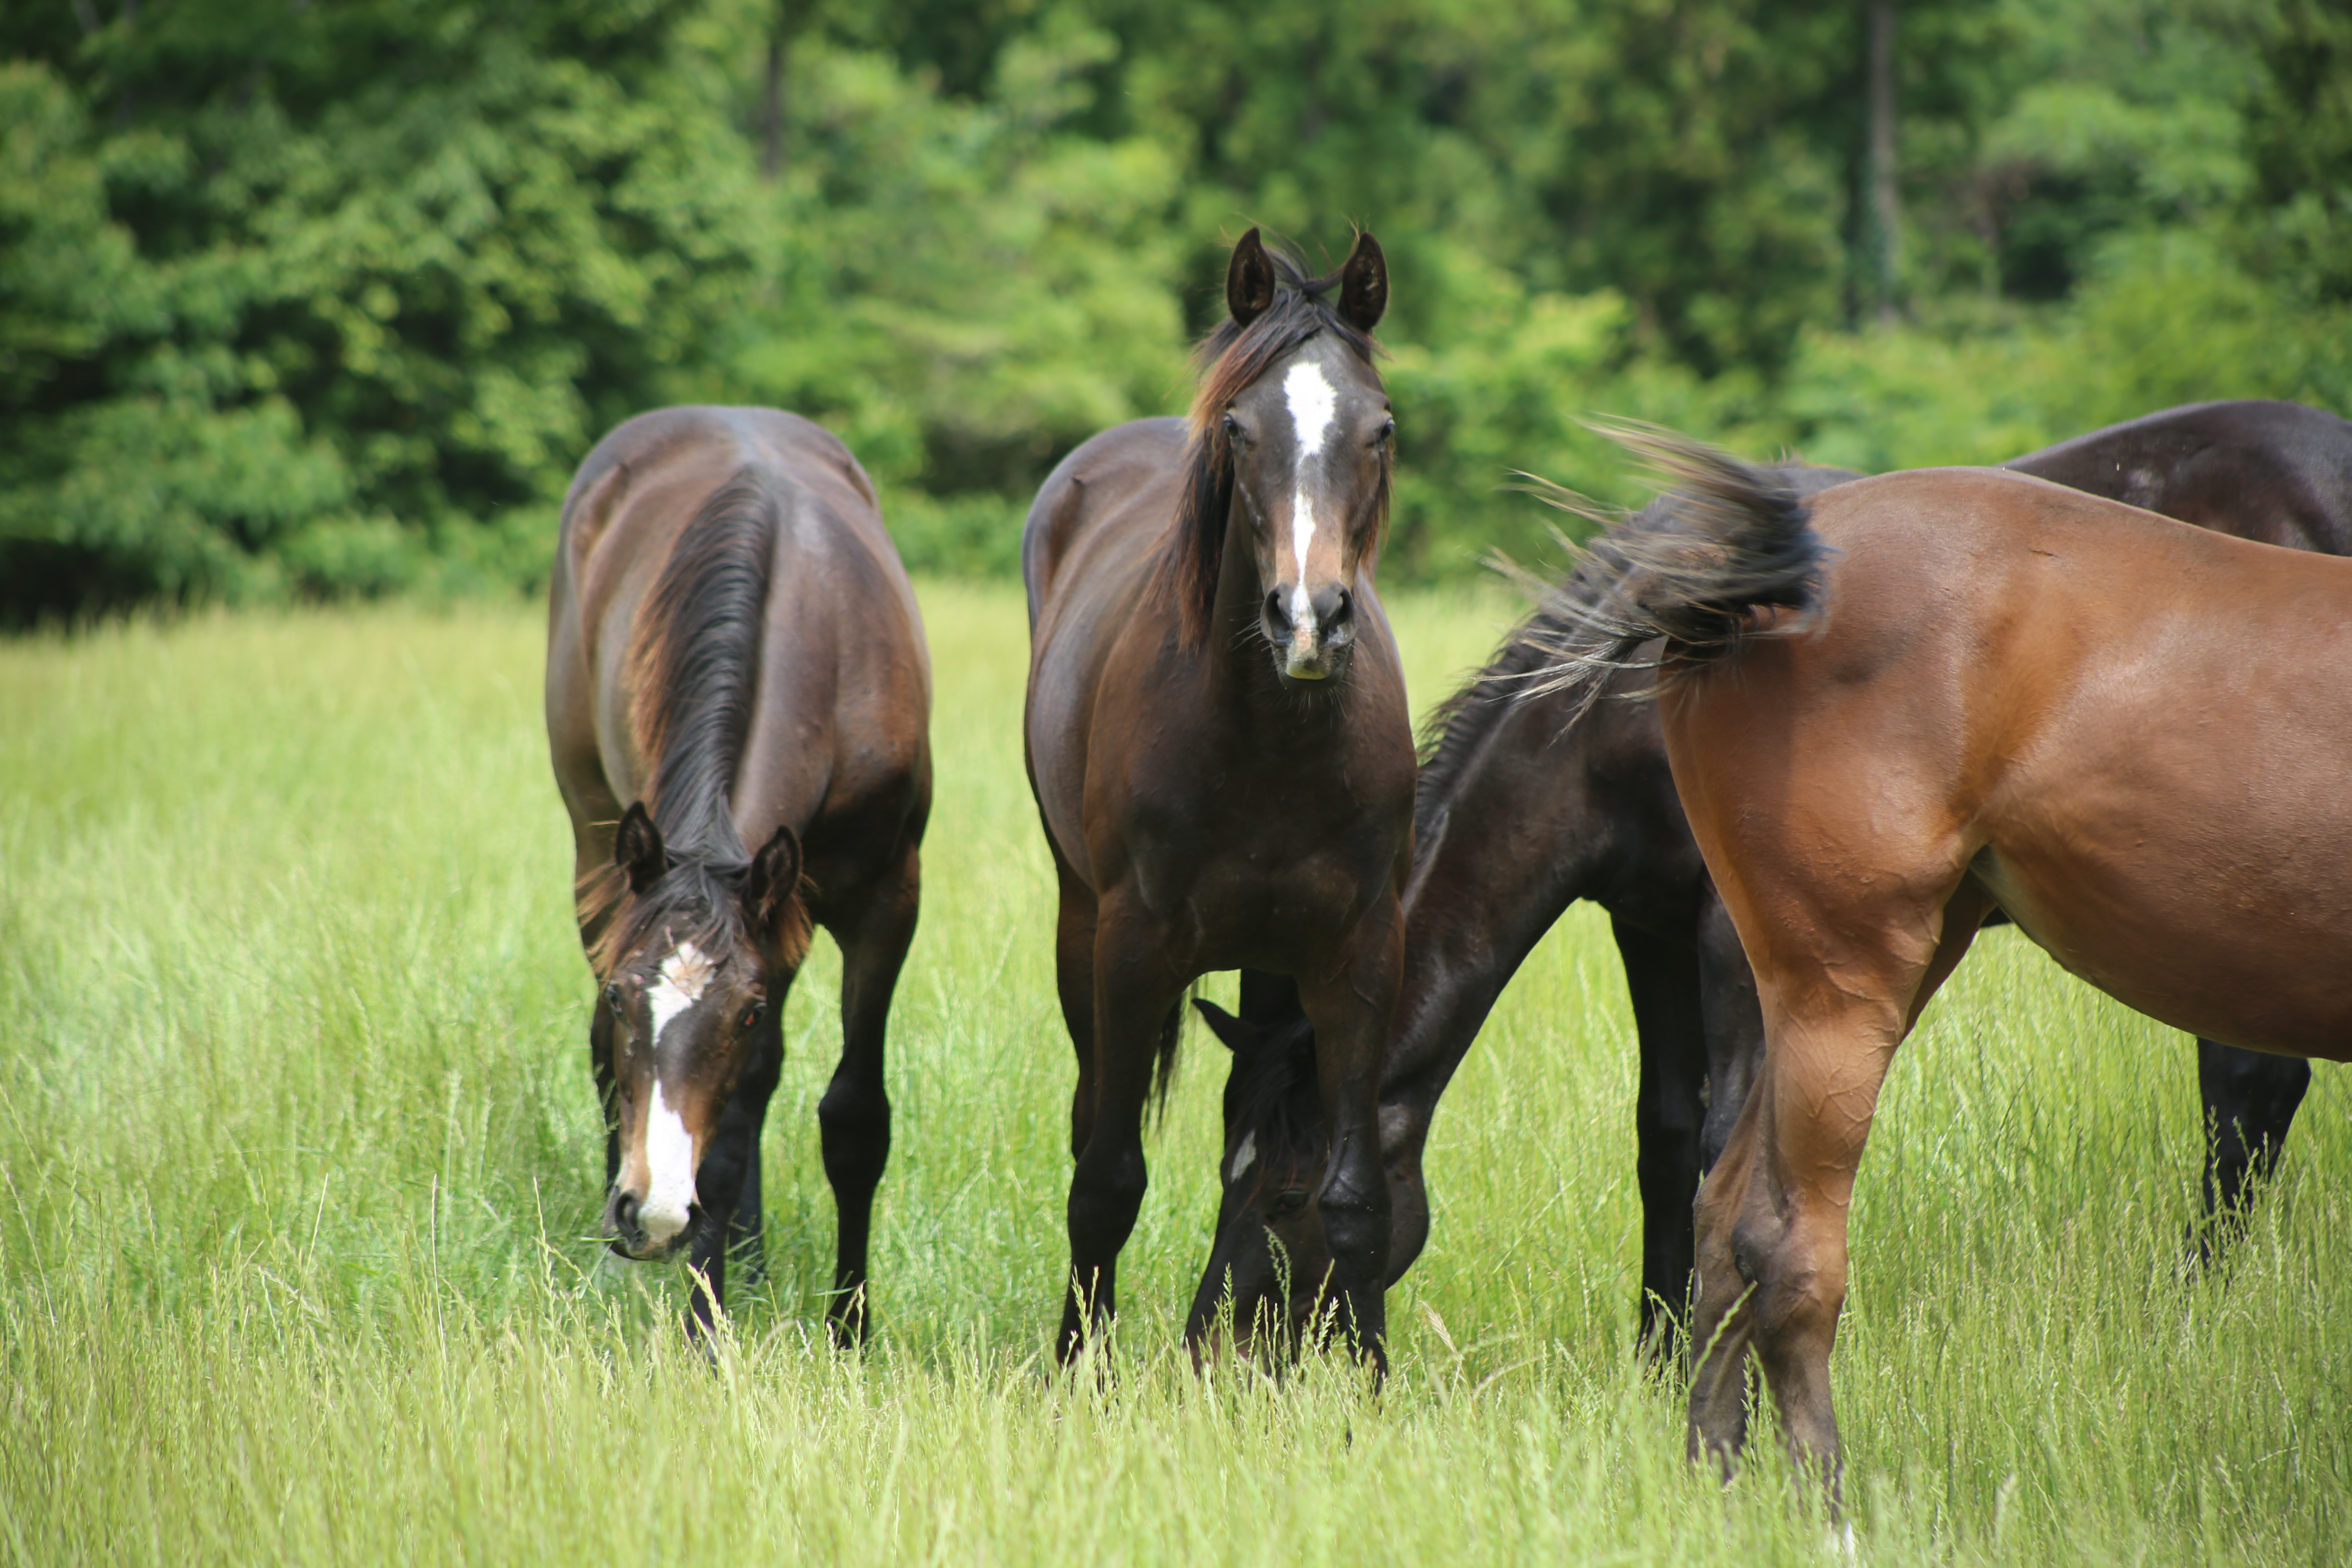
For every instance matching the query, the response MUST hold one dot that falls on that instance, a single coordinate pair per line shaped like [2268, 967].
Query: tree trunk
[1884, 225]
[771, 103]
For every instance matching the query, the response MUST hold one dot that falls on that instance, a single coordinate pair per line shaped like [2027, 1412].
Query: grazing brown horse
[1219, 745]
[734, 649]
[1520, 812]
[1938, 693]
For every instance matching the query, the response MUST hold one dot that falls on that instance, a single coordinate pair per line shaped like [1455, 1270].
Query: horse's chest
[1262, 892]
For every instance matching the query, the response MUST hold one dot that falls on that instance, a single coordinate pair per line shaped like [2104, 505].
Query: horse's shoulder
[1125, 472]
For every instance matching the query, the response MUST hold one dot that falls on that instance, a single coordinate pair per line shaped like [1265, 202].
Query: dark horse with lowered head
[1926, 696]
[1520, 812]
[1219, 745]
[734, 651]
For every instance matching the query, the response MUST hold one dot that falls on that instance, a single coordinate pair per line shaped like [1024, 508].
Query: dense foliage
[330, 297]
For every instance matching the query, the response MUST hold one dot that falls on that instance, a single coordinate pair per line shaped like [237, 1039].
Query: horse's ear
[1249, 281]
[1364, 285]
[1235, 1035]
[773, 882]
[638, 848]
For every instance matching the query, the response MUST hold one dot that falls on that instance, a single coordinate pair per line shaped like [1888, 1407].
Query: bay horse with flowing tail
[1221, 750]
[734, 658]
[1932, 694]
[1521, 809]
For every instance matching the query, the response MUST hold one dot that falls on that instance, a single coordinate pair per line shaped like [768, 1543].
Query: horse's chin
[1327, 672]
[669, 1251]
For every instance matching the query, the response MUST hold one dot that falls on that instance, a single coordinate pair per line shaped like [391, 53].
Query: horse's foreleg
[600, 1064]
[727, 1161]
[1661, 977]
[2251, 1097]
[854, 1117]
[1074, 987]
[1134, 992]
[1351, 1012]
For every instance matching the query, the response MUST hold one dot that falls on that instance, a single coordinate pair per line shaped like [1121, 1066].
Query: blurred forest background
[311, 298]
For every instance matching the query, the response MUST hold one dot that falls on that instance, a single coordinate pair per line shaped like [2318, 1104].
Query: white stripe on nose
[669, 1167]
[684, 975]
[1314, 405]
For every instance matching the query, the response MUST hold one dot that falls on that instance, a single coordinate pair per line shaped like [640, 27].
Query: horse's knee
[1354, 1209]
[1109, 1192]
[854, 1127]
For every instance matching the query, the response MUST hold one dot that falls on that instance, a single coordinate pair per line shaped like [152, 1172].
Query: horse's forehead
[687, 968]
[1320, 374]
[682, 978]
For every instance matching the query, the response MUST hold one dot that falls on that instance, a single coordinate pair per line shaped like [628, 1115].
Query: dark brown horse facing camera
[1219, 745]
[1519, 813]
[734, 649]
[1934, 694]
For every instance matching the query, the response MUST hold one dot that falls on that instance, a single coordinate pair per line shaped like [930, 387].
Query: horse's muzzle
[629, 1235]
[1313, 647]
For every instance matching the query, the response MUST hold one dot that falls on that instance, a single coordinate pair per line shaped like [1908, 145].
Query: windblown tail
[1725, 540]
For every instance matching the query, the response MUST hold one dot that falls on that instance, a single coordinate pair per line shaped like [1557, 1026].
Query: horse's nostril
[1277, 619]
[624, 1210]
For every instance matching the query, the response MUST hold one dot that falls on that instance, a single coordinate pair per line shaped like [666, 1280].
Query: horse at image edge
[1926, 696]
[1520, 812]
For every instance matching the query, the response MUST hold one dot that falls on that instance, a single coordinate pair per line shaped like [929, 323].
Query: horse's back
[2134, 733]
[2280, 473]
[845, 688]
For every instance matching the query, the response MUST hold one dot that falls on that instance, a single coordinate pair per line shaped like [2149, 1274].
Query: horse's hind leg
[1074, 985]
[854, 1117]
[1662, 978]
[2251, 1097]
[1772, 1213]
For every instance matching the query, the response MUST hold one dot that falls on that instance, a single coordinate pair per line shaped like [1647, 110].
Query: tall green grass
[298, 1170]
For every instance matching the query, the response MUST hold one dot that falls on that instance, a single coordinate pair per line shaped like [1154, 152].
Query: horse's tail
[1727, 539]
[1163, 1073]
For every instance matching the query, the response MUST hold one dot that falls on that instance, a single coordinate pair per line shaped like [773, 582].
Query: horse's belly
[2238, 953]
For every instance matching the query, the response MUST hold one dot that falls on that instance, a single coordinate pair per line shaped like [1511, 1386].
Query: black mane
[694, 673]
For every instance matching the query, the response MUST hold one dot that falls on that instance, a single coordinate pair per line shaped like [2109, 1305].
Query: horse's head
[1270, 1258]
[698, 952]
[1292, 429]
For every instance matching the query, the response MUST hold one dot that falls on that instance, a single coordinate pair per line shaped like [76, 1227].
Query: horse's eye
[751, 1014]
[613, 999]
[1380, 438]
[1290, 1201]
[1235, 433]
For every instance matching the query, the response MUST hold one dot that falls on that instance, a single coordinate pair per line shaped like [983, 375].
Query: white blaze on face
[1314, 407]
[684, 975]
[1244, 1157]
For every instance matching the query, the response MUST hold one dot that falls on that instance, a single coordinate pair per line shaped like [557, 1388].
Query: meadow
[300, 1169]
